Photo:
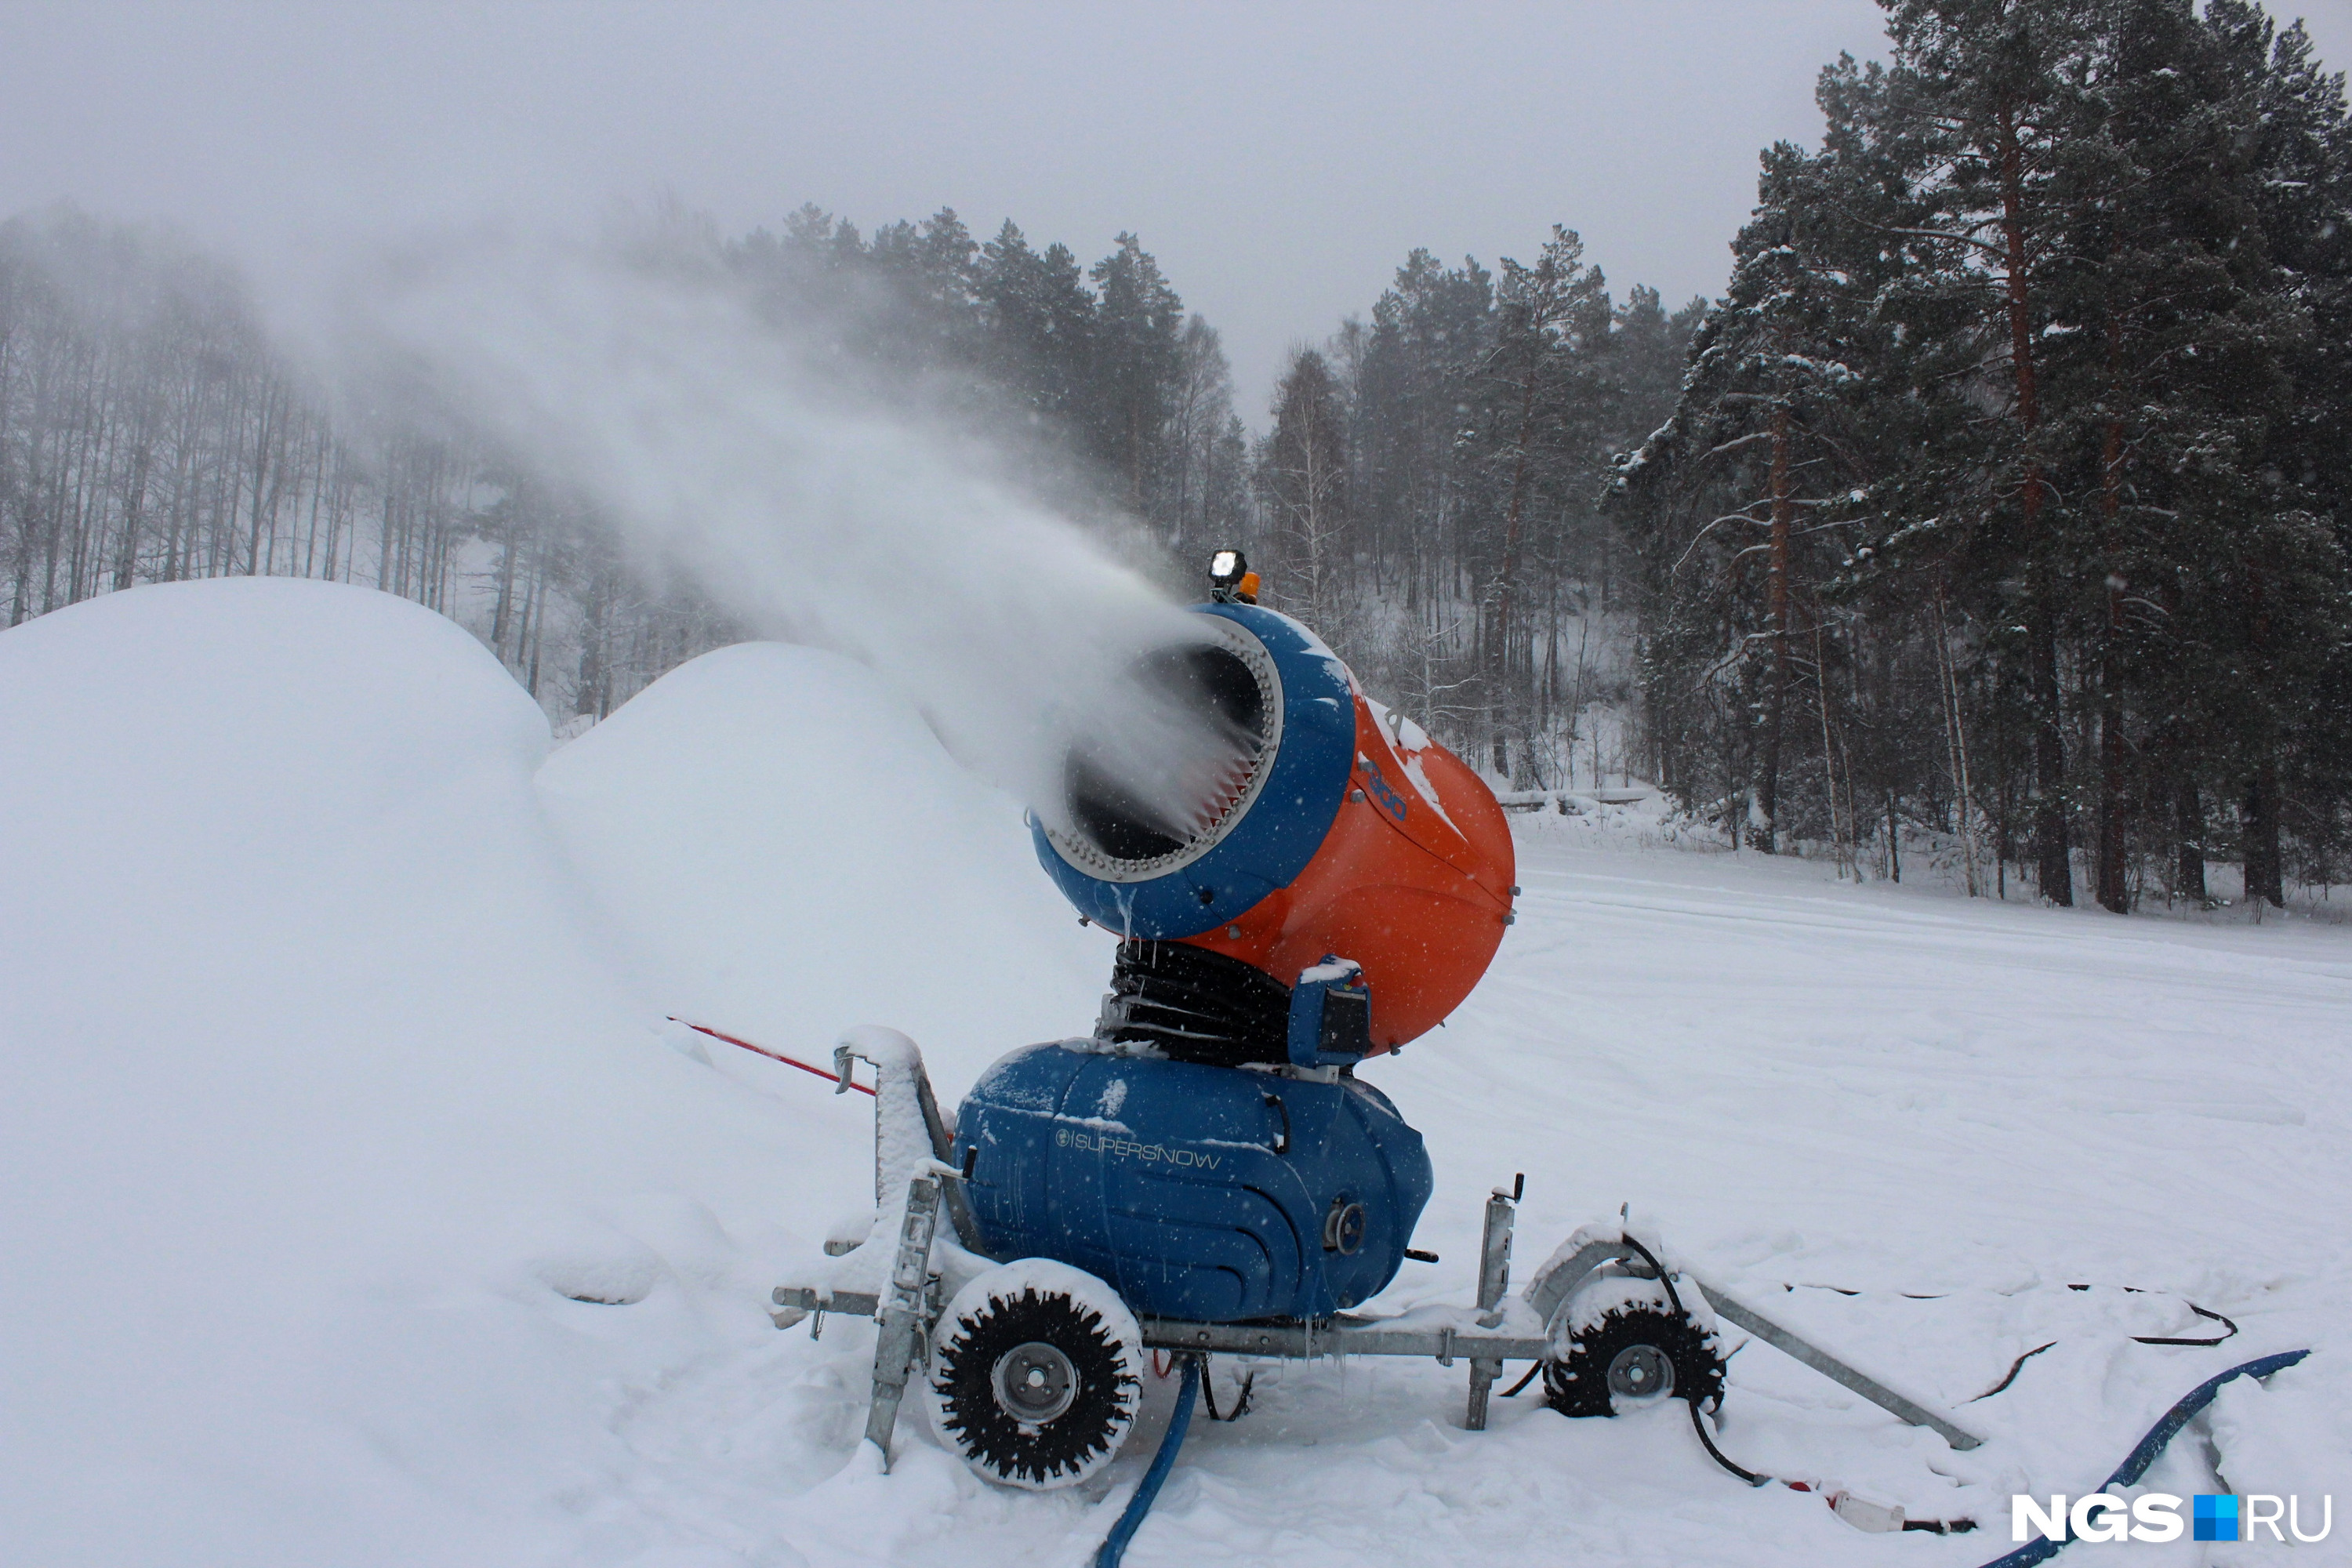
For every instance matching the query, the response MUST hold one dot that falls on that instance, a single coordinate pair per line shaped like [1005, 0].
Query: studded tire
[1647, 1347]
[1036, 1374]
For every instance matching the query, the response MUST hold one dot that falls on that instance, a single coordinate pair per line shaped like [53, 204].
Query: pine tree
[1303, 476]
[1529, 447]
[2299, 731]
[1428, 329]
[1139, 328]
[2171, 347]
[1987, 106]
[1038, 326]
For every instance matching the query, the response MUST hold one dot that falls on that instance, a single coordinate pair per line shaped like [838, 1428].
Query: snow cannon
[1318, 885]
[1329, 829]
[1206, 1174]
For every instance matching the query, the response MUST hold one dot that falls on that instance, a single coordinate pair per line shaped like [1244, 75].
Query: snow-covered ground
[333, 1082]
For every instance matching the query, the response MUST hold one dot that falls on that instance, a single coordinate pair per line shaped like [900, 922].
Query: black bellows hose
[1195, 1005]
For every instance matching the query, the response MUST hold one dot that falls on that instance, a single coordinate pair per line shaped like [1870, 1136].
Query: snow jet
[637, 372]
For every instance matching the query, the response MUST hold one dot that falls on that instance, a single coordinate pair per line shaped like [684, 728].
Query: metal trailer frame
[1485, 1336]
[1499, 1327]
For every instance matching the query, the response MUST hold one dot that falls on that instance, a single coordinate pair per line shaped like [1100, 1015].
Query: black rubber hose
[2228, 1330]
[1513, 1391]
[1699, 1426]
[1674, 1299]
[2014, 1368]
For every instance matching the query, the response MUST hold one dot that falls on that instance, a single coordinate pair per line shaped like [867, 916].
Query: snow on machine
[1207, 1172]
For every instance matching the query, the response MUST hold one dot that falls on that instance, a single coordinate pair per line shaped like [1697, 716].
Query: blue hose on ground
[2135, 1464]
[1114, 1546]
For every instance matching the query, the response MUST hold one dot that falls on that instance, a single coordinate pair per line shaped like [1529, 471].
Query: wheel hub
[1034, 1383]
[1640, 1374]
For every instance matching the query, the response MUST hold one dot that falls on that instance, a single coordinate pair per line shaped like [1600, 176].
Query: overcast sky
[1279, 159]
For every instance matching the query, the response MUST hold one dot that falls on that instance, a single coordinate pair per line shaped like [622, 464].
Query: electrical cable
[2128, 1473]
[2014, 1368]
[2230, 1331]
[2227, 1325]
[1673, 1299]
[1241, 1398]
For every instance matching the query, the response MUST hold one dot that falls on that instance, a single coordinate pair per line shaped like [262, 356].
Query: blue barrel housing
[1202, 1192]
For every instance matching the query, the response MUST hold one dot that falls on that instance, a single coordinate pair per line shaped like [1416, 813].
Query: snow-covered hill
[330, 1083]
[787, 851]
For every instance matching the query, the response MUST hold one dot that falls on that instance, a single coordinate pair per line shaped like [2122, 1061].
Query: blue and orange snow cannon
[1299, 882]
[1324, 885]
[1308, 883]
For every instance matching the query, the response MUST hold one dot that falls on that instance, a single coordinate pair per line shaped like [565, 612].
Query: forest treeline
[2002, 504]
[1431, 486]
[2011, 489]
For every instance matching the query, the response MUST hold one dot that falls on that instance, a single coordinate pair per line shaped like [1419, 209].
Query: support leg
[1494, 1284]
[905, 1313]
[1483, 1374]
[1829, 1366]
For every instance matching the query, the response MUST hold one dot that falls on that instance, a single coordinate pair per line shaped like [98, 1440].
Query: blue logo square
[2213, 1518]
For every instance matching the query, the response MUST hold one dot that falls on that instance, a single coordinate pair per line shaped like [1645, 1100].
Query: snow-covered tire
[1633, 1355]
[1036, 1374]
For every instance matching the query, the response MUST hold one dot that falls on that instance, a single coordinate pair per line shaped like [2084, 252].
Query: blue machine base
[1211, 1194]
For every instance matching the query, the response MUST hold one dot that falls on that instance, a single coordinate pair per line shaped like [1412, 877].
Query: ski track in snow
[405, 1152]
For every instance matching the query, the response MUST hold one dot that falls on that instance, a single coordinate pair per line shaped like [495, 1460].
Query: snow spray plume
[646, 383]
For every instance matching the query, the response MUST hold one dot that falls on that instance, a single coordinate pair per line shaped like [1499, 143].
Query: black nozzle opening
[1136, 808]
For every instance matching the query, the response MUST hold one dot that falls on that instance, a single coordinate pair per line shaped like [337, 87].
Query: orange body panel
[1413, 882]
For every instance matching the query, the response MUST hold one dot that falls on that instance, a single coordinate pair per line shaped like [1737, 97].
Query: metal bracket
[1551, 1286]
[806, 1299]
[899, 1074]
[905, 1313]
[1330, 1016]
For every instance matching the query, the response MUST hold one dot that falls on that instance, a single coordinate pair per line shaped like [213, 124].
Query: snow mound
[326, 1127]
[789, 852]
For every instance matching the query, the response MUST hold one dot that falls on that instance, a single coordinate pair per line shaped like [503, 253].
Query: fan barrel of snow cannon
[1323, 825]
